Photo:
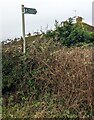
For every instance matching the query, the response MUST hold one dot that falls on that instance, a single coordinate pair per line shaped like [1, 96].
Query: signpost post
[23, 28]
[25, 10]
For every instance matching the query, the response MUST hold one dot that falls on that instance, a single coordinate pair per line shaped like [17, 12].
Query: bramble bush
[50, 80]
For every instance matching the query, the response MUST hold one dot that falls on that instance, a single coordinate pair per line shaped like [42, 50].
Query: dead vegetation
[57, 82]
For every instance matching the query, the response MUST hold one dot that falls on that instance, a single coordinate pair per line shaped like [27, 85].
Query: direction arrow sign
[30, 10]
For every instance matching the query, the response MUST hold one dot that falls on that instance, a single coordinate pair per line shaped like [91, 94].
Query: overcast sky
[47, 12]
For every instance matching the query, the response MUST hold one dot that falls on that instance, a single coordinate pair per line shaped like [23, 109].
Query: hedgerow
[50, 80]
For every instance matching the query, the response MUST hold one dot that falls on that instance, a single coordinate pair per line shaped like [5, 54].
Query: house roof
[85, 25]
[88, 27]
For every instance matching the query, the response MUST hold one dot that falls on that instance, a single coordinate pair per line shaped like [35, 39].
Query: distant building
[93, 13]
[79, 19]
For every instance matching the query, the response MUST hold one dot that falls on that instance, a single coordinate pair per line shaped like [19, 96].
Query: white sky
[47, 12]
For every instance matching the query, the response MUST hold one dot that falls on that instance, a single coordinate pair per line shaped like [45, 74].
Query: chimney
[79, 19]
[93, 13]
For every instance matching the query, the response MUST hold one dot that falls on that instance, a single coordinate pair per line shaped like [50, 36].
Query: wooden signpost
[25, 10]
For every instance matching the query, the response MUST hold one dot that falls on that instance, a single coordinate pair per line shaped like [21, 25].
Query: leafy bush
[57, 78]
[11, 65]
[69, 33]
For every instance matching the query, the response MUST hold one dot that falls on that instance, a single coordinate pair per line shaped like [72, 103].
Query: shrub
[70, 34]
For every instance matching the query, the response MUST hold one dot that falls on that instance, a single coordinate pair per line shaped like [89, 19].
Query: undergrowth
[49, 81]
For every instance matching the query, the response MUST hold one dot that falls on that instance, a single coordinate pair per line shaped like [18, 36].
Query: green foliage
[70, 34]
[11, 70]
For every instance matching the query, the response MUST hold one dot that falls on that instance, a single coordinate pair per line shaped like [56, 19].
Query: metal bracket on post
[23, 30]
